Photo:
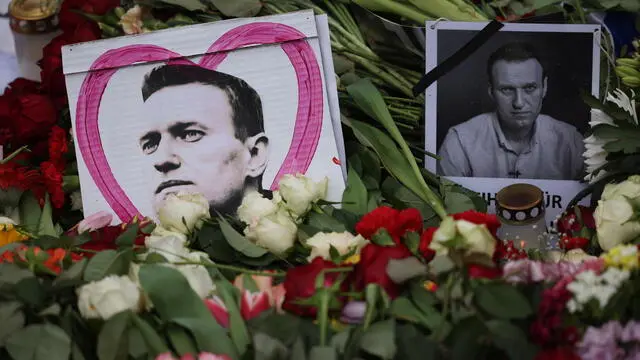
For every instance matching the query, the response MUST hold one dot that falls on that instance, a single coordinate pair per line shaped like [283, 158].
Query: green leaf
[154, 342]
[238, 330]
[181, 305]
[137, 346]
[45, 223]
[502, 301]
[622, 138]
[325, 222]
[128, 236]
[408, 336]
[191, 5]
[209, 336]
[39, 342]
[269, 348]
[412, 240]
[181, 340]
[112, 340]
[379, 339]
[11, 318]
[238, 8]
[456, 202]
[109, 262]
[511, 339]
[72, 276]
[31, 291]
[401, 197]
[354, 197]
[323, 353]
[52, 310]
[388, 152]
[30, 212]
[467, 337]
[11, 274]
[382, 238]
[239, 242]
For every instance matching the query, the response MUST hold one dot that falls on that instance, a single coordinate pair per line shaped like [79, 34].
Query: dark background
[462, 93]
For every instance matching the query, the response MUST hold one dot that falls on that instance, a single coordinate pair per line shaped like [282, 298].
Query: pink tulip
[210, 356]
[264, 285]
[253, 304]
[218, 310]
[201, 356]
[95, 221]
[166, 356]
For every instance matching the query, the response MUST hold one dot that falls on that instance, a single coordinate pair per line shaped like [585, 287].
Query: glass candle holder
[34, 24]
[520, 209]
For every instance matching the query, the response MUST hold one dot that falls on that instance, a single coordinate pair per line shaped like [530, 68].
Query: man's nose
[169, 160]
[518, 100]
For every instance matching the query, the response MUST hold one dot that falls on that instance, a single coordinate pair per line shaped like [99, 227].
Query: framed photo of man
[512, 112]
[221, 109]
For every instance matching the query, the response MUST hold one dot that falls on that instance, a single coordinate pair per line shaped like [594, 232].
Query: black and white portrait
[512, 112]
[206, 134]
[513, 109]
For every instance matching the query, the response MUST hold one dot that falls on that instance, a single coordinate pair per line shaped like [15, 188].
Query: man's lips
[172, 183]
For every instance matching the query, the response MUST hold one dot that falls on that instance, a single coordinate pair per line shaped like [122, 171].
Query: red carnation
[397, 223]
[476, 217]
[21, 86]
[58, 146]
[559, 353]
[425, 242]
[483, 272]
[372, 268]
[70, 20]
[569, 243]
[52, 178]
[105, 239]
[569, 224]
[299, 284]
[548, 329]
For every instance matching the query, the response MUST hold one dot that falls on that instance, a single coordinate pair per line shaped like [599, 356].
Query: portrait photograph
[513, 110]
[219, 109]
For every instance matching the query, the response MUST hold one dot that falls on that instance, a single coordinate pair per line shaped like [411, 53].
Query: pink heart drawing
[308, 125]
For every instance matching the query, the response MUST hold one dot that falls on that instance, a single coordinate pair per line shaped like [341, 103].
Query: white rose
[344, 242]
[254, 206]
[131, 21]
[613, 222]
[198, 276]
[276, 232]
[629, 189]
[183, 212]
[300, 192]
[171, 245]
[134, 275]
[107, 297]
[446, 231]
[477, 238]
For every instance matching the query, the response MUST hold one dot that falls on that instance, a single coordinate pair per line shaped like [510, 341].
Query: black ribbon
[454, 60]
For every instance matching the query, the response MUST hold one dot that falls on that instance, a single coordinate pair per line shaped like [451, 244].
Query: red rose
[569, 243]
[482, 272]
[52, 178]
[476, 217]
[397, 223]
[105, 239]
[559, 353]
[569, 224]
[425, 241]
[372, 268]
[22, 86]
[299, 284]
[69, 19]
[58, 146]
[32, 117]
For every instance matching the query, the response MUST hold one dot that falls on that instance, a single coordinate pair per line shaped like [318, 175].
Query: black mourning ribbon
[459, 56]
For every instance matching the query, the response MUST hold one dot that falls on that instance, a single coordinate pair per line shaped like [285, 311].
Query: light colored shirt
[478, 148]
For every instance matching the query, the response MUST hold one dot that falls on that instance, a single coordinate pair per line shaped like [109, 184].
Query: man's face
[191, 144]
[518, 89]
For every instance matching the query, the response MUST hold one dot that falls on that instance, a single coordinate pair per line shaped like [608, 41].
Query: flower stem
[323, 316]
[234, 268]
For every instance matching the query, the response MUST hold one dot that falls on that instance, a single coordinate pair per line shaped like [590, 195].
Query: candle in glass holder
[520, 209]
[34, 24]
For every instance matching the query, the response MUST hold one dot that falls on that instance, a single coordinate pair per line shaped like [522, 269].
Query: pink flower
[264, 284]
[166, 356]
[254, 304]
[218, 310]
[95, 221]
[201, 356]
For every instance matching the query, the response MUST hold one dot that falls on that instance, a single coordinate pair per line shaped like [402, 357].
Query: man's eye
[192, 135]
[530, 88]
[506, 91]
[149, 147]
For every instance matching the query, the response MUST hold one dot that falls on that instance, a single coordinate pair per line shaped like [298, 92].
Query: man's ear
[544, 87]
[490, 91]
[258, 146]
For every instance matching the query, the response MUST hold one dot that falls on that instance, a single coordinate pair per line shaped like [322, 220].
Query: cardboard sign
[217, 108]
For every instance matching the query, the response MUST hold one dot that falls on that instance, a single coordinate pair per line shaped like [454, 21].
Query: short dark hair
[514, 52]
[244, 100]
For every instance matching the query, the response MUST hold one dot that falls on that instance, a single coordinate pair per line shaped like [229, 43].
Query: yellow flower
[622, 256]
[352, 260]
[430, 286]
[9, 234]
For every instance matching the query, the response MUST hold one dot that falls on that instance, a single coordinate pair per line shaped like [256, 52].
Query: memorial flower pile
[407, 266]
